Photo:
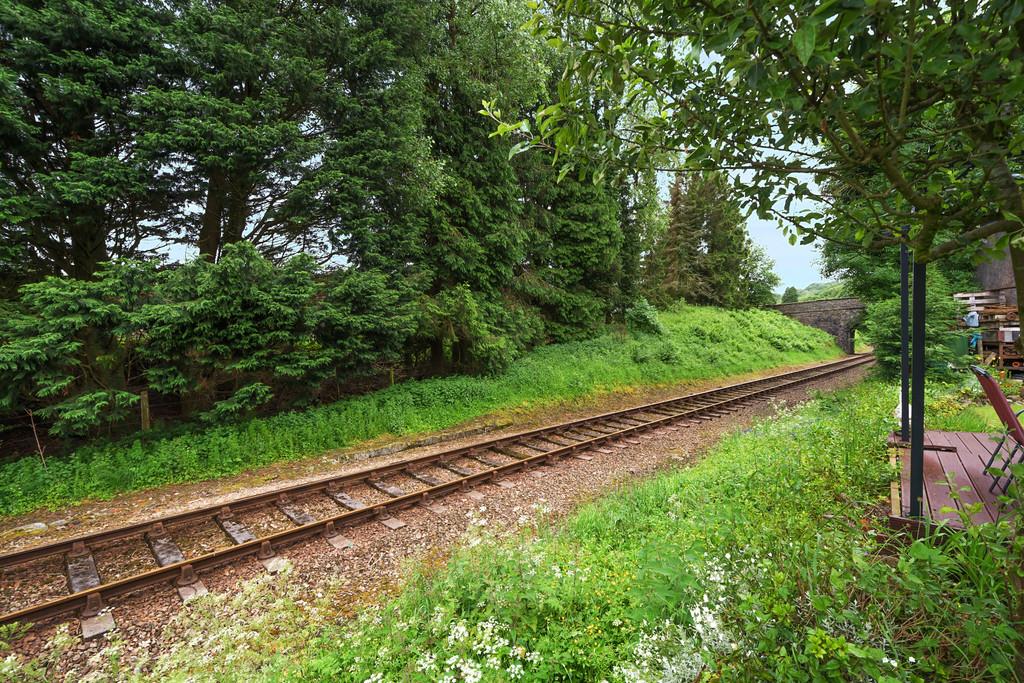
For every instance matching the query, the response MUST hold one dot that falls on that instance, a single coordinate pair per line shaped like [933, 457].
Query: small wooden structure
[954, 463]
[999, 327]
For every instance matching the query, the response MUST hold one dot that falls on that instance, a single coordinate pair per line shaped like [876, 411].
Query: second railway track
[371, 493]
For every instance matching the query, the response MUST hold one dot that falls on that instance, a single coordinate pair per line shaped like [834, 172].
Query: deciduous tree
[912, 109]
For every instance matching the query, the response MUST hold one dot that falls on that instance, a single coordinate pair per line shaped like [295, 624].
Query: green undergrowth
[963, 407]
[697, 343]
[767, 560]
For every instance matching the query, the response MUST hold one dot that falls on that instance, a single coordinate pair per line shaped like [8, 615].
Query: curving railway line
[368, 494]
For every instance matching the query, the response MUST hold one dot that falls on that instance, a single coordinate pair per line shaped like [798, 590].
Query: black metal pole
[917, 394]
[904, 343]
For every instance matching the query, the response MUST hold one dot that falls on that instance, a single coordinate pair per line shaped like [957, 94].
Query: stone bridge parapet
[838, 317]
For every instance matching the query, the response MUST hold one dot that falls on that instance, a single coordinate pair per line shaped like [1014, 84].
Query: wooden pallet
[976, 301]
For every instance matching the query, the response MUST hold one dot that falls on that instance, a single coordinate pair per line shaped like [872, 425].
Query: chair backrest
[999, 401]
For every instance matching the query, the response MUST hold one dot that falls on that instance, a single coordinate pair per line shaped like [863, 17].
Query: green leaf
[803, 41]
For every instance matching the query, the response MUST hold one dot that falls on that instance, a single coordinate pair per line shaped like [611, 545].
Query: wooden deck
[964, 468]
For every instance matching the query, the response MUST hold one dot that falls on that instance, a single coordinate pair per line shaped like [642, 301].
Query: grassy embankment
[699, 343]
[767, 560]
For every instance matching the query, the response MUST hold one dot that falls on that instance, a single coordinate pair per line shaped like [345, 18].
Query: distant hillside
[819, 290]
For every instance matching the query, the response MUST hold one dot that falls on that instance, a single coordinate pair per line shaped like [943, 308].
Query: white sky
[797, 264]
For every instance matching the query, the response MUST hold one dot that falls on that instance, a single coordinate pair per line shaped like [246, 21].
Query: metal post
[917, 394]
[904, 342]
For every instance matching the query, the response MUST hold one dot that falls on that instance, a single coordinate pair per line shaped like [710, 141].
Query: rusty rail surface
[700, 405]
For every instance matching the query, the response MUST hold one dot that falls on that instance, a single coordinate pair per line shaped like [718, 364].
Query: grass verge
[769, 560]
[699, 343]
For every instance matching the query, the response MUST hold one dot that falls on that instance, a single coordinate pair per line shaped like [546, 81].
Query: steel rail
[262, 499]
[185, 570]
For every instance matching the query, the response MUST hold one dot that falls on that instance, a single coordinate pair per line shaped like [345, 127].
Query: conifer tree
[474, 237]
[675, 270]
[724, 232]
[642, 217]
[292, 126]
[74, 188]
[574, 261]
[705, 255]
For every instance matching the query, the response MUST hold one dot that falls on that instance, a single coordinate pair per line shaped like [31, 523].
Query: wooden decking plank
[969, 449]
[979, 445]
[936, 491]
[975, 456]
[961, 463]
[965, 488]
[936, 482]
[905, 480]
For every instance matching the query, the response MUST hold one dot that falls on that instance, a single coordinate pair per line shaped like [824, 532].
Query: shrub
[641, 316]
[882, 328]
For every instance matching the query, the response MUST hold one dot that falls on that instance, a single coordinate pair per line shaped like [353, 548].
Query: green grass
[961, 408]
[700, 343]
[970, 419]
[769, 560]
[760, 563]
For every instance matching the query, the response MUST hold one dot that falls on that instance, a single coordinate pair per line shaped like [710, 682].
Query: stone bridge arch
[838, 317]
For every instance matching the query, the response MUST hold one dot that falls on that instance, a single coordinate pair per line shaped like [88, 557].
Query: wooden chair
[1014, 432]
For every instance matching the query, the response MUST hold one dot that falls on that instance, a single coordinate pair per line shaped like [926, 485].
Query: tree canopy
[847, 120]
[244, 206]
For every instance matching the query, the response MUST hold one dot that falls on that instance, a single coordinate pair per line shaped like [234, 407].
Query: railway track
[372, 493]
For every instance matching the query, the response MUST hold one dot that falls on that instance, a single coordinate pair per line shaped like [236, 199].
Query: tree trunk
[1017, 262]
[238, 211]
[88, 245]
[991, 157]
[210, 229]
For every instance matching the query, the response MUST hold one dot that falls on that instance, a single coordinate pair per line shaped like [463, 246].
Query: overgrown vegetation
[688, 343]
[328, 165]
[882, 329]
[768, 560]
[815, 292]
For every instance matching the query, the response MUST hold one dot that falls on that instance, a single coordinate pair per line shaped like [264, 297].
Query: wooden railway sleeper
[81, 568]
[235, 530]
[479, 457]
[422, 477]
[508, 452]
[385, 488]
[601, 431]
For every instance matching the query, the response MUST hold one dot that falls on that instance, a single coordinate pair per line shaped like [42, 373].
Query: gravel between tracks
[376, 561]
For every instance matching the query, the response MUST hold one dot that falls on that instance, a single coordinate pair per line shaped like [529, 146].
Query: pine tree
[790, 296]
[474, 237]
[675, 270]
[705, 255]
[290, 125]
[725, 236]
[573, 268]
[643, 218]
[74, 189]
